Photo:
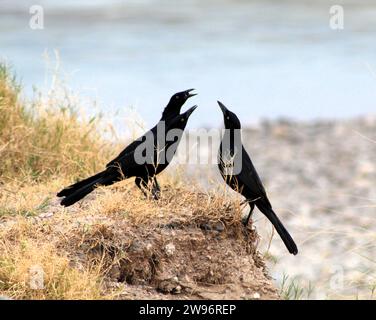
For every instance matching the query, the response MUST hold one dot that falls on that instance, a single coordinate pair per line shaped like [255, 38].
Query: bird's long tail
[74, 187]
[77, 191]
[267, 210]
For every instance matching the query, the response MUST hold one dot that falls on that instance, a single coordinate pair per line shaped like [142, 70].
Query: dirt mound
[186, 262]
[197, 249]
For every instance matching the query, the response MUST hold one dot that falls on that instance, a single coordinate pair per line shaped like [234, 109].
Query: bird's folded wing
[132, 157]
[129, 149]
[249, 176]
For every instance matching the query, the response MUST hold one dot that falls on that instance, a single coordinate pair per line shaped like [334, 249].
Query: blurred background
[267, 59]
[307, 93]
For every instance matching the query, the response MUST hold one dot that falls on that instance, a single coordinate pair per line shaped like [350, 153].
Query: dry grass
[27, 242]
[21, 256]
[47, 136]
[40, 140]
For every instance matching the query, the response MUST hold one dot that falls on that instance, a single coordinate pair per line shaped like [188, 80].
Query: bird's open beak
[222, 106]
[190, 110]
[190, 95]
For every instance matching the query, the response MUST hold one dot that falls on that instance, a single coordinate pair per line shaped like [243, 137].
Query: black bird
[142, 158]
[239, 173]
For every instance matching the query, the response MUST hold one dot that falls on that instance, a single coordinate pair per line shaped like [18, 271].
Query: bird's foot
[156, 195]
[150, 195]
[245, 221]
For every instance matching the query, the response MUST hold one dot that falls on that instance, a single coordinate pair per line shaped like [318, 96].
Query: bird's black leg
[142, 183]
[245, 221]
[156, 190]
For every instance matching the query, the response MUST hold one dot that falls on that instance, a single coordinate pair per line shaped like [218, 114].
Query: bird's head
[180, 121]
[181, 97]
[230, 118]
[176, 102]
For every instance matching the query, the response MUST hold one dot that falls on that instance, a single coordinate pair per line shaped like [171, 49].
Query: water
[263, 58]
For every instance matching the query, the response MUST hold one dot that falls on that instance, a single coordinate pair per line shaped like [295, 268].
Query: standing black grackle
[239, 173]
